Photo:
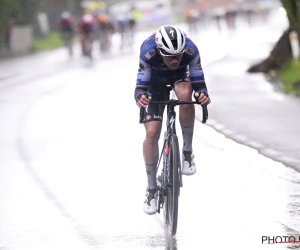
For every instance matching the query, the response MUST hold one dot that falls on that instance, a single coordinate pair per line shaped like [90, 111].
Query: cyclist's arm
[143, 79]
[147, 53]
[197, 74]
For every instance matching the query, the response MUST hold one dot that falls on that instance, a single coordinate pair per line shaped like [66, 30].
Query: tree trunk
[279, 56]
[282, 52]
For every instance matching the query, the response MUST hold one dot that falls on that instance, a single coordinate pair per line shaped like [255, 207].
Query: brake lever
[204, 113]
[142, 110]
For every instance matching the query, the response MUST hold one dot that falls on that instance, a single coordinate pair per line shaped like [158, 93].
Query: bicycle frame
[171, 131]
[171, 182]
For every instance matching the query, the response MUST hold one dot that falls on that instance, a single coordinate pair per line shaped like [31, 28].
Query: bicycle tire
[165, 198]
[89, 54]
[173, 189]
[166, 211]
[70, 49]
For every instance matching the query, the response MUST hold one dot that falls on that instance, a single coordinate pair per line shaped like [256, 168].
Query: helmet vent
[164, 42]
[175, 44]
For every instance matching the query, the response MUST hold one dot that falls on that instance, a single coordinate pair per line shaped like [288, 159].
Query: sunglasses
[165, 54]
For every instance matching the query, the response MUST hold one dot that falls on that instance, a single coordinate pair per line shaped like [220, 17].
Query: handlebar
[173, 102]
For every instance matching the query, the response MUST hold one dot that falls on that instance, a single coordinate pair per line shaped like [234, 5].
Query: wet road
[254, 111]
[69, 179]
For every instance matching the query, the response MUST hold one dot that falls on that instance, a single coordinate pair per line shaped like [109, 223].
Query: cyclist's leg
[152, 120]
[151, 154]
[183, 91]
[151, 151]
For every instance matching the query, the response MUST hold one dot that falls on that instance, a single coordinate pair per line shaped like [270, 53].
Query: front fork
[164, 185]
[164, 182]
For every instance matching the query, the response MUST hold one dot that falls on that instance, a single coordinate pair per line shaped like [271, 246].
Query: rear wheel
[165, 196]
[173, 188]
[87, 48]
[70, 48]
[166, 209]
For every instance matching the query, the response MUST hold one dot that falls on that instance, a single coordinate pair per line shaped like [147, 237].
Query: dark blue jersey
[152, 63]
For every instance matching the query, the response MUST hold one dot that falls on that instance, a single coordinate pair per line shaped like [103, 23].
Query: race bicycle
[170, 180]
[87, 46]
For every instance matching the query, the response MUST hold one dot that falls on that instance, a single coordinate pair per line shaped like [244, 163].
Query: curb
[261, 149]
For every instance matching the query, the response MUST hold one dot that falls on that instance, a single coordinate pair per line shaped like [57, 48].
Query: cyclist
[106, 29]
[86, 30]
[66, 22]
[168, 56]
[66, 25]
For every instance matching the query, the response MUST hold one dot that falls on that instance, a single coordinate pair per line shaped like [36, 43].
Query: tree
[21, 11]
[282, 52]
[292, 8]
[7, 9]
[54, 8]
[26, 12]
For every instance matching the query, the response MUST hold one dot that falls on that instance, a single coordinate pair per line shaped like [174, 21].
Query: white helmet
[65, 15]
[87, 18]
[170, 40]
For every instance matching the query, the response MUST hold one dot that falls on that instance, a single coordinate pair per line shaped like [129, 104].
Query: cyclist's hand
[144, 101]
[202, 97]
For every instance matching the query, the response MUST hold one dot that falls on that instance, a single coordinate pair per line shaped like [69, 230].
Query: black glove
[138, 93]
[203, 91]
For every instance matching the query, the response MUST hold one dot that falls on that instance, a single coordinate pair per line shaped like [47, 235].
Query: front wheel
[173, 188]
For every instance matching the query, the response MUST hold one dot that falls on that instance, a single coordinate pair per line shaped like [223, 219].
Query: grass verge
[52, 41]
[290, 77]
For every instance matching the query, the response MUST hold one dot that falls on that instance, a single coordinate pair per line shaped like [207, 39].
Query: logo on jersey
[199, 62]
[141, 67]
[189, 51]
[150, 54]
[172, 32]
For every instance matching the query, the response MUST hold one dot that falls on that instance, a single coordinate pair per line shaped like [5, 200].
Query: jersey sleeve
[147, 52]
[196, 71]
[144, 74]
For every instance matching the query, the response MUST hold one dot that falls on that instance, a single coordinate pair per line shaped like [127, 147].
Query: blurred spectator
[122, 28]
[230, 17]
[8, 35]
[202, 19]
[126, 28]
[218, 15]
[249, 16]
[132, 25]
